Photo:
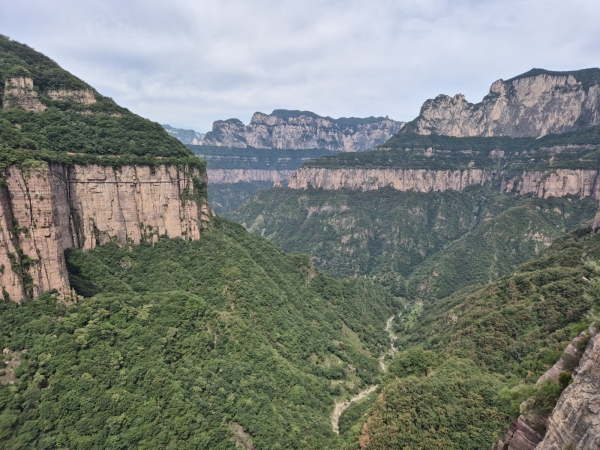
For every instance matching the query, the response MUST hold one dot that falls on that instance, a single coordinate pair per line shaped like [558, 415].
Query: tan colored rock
[520, 436]
[49, 208]
[534, 105]
[555, 183]
[221, 176]
[19, 93]
[85, 97]
[575, 421]
[570, 354]
[419, 180]
[300, 132]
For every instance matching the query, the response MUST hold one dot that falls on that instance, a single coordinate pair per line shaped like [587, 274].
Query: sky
[188, 63]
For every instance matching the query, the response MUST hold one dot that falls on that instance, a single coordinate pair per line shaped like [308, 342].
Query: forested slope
[469, 361]
[184, 341]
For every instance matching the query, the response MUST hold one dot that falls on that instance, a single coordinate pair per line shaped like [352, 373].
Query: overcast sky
[189, 63]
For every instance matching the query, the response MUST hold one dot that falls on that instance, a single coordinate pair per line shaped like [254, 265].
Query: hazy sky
[189, 63]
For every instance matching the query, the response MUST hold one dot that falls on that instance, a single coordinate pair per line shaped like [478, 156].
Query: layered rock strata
[48, 208]
[303, 130]
[19, 93]
[555, 183]
[575, 421]
[534, 104]
[222, 176]
[85, 97]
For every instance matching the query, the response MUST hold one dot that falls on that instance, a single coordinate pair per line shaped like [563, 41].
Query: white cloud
[189, 63]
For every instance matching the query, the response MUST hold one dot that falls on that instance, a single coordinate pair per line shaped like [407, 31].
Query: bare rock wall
[49, 208]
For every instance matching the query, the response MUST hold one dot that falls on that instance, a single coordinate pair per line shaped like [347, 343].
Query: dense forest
[470, 360]
[184, 341]
[71, 132]
[228, 341]
[421, 245]
[406, 150]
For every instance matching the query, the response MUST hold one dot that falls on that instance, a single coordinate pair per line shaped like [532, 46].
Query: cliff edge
[533, 104]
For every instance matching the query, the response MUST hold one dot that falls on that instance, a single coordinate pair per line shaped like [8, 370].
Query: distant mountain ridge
[293, 129]
[188, 137]
[536, 103]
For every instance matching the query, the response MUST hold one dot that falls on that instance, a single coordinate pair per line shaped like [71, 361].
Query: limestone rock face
[556, 183]
[302, 131]
[48, 208]
[85, 97]
[534, 104]
[520, 436]
[19, 93]
[575, 422]
[221, 176]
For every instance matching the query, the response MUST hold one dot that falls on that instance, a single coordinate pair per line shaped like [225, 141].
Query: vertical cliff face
[536, 103]
[302, 130]
[551, 183]
[49, 208]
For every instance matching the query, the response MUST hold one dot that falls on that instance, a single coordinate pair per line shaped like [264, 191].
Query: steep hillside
[189, 344]
[470, 360]
[283, 129]
[431, 214]
[421, 244]
[76, 169]
[536, 103]
[132, 316]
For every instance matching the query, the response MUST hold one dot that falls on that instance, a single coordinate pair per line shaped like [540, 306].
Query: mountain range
[458, 308]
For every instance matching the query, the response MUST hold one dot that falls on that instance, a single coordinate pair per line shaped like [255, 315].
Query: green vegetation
[71, 132]
[218, 157]
[342, 121]
[183, 339]
[473, 358]
[588, 77]
[422, 245]
[408, 150]
[227, 197]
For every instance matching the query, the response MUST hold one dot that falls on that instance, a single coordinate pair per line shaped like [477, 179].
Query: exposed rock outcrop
[188, 137]
[19, 93]
[46, 209]
[555, 183]
[85, 97]
[520, 436]
[302, 130]
[575, 421]
[536, 103]
[221, 176]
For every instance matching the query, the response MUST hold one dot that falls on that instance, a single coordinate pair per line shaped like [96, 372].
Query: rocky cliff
[552, 183]
[221, 176]
[19, 93]
[536, 103]
[47, 208]
[575, 421]
[284, 129]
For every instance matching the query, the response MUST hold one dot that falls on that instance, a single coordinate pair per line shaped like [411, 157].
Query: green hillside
[422, 245]
[72, 132]
[408, 150]
[184, 341]
[470, 360]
